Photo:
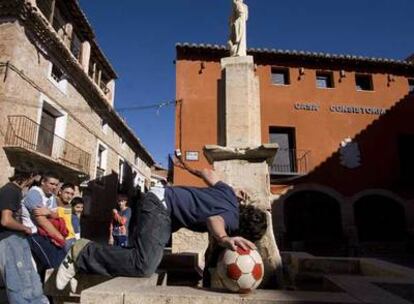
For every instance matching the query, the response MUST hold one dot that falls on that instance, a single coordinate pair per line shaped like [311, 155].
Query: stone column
[85, 55]
[68, 35]
[111, 94]
[241, 104]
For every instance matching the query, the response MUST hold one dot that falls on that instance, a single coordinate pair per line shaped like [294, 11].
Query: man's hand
[114, 211]
[42, 211]
[209, 176]
[111, 241]
[27, 231]
[237, 241]
[241, 194]
[178, 162]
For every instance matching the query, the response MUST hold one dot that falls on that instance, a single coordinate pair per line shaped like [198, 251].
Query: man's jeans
[46, 254]
[121, 241]
[19, 275]
[149, 237]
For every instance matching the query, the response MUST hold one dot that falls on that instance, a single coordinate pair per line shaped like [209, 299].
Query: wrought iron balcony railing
[25, 133]
[290, 162]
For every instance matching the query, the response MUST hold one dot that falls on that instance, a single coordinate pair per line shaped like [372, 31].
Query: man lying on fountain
[214, 209]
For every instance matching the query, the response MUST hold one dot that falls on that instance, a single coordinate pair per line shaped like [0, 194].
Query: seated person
[46, 242]
[15, 257]
[64, 210]
[77, 210]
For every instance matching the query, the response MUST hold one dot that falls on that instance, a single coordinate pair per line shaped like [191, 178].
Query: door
[46, 133]
[285, 159]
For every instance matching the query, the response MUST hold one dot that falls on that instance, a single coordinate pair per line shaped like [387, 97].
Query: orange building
[342, 178]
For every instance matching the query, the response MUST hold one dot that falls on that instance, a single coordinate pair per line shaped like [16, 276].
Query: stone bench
[114, 291]
[190, 295]
[87, 282]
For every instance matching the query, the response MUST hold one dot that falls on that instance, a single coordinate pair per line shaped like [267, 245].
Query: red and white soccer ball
[240, 271]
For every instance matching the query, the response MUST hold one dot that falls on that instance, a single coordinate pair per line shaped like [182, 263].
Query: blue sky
[139, 39]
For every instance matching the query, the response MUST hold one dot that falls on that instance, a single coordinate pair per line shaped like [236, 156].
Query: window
[58, 78]
[100, 157]
[46, 132]
[324, 80]
[285, 160]
[75, 46]
[92, 69]
[45, 7]
[363, 82]
[100, 163]
[56, 73]
[52, 124]
[104, 126]
[59, 24]
[406, 156]
[280, 76]
[122, 143]
[411, 85]
[121, 168]
[103, 84]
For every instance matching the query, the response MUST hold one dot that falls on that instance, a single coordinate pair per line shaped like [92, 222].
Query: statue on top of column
[238, 19]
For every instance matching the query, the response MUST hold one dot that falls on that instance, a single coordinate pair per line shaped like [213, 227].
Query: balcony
[26, 139]
[290, 162]
[69, 24]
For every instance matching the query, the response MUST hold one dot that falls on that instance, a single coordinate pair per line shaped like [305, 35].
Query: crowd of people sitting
[40, 221]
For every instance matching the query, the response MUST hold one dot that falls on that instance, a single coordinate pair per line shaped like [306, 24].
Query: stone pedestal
[248, 168]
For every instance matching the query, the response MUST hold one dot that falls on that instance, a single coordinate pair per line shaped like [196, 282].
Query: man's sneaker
[73, 285]
[66, 271]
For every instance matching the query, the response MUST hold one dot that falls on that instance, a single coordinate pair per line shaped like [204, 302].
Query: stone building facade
[57, 94]
[342, 178]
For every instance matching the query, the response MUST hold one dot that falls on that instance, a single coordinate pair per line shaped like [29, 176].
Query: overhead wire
[9, 66]
[70, 110]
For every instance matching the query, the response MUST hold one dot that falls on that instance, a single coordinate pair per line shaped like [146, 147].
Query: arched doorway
[379, 219]
[313, 223]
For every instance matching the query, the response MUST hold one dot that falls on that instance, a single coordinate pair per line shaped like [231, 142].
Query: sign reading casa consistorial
[346, 109]
[357, 109]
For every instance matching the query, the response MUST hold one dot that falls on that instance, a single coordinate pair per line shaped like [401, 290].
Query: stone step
[175, 269]
[328, 265]
[367, 292]
[67, 296]
[89, 281]
[182, 269]
[113, 291]
[313, 282]
[189, 295]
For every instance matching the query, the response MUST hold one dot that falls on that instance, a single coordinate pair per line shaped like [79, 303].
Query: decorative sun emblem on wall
[350, 155]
